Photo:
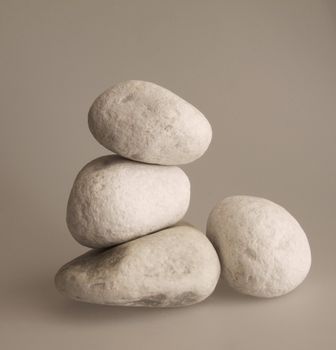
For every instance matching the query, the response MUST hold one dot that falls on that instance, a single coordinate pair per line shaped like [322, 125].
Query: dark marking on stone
[118, 253]
[149, 108]
[161, 300]
[135, 156]
[105, 259]
[187, 270]
[98, 284]
[72, 278]
[168, 128]
[152, 300]
[127, 98]
[251, 253]
[185, 298]
[250, 279]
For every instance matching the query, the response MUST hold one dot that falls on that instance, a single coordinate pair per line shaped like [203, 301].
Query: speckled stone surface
[174, 267]
[263, 250]
[145, 122]
[114, 200]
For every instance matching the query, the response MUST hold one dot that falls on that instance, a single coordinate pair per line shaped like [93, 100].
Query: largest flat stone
[177, 266]
[148, 123]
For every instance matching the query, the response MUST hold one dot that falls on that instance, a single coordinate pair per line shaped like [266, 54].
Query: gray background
[263, 72]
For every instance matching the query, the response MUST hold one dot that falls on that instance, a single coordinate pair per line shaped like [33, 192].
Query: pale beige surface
[263, 72]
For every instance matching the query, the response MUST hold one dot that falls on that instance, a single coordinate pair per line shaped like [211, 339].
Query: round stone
[148, 123]
[174, 267]
[114, 200]
[263, 250]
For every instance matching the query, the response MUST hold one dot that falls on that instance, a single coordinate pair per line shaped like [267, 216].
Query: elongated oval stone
[145, 122]
[174, 267]
[114, 200]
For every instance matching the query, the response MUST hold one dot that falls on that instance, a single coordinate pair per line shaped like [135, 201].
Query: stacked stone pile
[128, 207]
[118, 200]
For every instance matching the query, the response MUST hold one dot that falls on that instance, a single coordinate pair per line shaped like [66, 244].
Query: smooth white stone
[114, 200]
[263, 250]
[174, 267]
[145, 122]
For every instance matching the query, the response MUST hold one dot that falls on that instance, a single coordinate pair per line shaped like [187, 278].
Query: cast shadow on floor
[41, 294]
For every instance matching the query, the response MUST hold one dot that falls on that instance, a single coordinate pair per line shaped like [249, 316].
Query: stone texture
[148, 123]
[263, 250]
[174, 267]
[114, 200]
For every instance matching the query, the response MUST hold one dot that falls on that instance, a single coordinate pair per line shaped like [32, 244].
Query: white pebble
[174, 267]
[148, 123]
[263, 250]
[114, 200]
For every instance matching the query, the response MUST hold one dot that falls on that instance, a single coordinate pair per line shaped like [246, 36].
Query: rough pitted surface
[114, 200]
[148, 123]
[174, 267]
[263, 250]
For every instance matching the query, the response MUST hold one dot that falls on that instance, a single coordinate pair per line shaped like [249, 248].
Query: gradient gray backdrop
[263, 72]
